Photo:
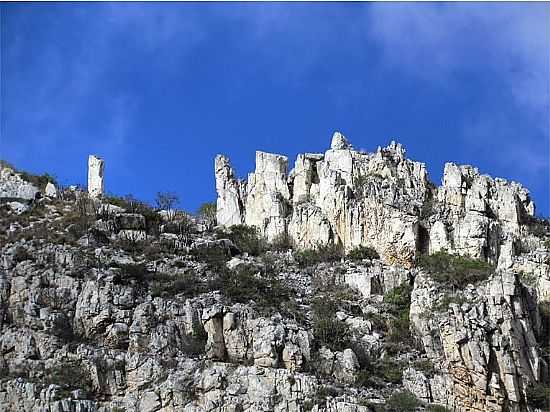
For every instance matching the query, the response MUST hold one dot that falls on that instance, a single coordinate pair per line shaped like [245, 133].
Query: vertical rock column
[229, 206]
[96, 167]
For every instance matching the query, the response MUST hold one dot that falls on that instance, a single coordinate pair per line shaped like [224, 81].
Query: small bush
[245, 238]
[363, 252]
[71, 375]
[378, 373]
[247, 283]
[538, 396]
[207, 212]
[322, 253]
[21, 254]
[453, 270]
[399, 299]
[327, 329]
[448, 299]
[403, 401]
[187, 284]
[538, 226]
[281, 243]
[437, 408]
[426, 366]
[135, 271]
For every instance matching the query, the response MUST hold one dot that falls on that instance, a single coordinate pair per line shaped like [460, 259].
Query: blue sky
[158, 89]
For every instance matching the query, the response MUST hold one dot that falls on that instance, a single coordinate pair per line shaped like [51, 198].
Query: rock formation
[95, 176]
[107, 304]
[382, 200]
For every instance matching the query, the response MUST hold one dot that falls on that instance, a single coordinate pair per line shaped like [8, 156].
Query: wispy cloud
[435, 42]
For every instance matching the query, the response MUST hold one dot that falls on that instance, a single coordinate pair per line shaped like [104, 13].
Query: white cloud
[436, 41]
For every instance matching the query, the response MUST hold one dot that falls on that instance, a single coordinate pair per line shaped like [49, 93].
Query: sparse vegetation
[453, 270]
[247, 283]
[538, 396]
[448, 299]
[167, 201]
[187, 284]
[539, 226]
[21, 254]
[327, 329]
[281, 243]
[322, 253]
[207, 211]
[69, 375]
[399, 300]
[363, 252]
[403, 401]
[245, 238]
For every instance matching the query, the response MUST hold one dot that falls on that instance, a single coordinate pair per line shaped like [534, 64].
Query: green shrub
[281, 243]
[403, 401]
[187, 284]
[363, 252]
[327, 329]
[426, 366]
[379, 372]
[21, 254]
[214, 257]
[71, 374]
[448, 299]
[245, 238]
[247, 283]
[454, 270]
[538, 226]
[399, 299]
[134, 271]
[207, 211]
[322, 253]
[538, 396]
[437, 408]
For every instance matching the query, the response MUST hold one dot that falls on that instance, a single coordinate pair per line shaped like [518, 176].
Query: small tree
[167, 201]
[208, 213]
[184, 227]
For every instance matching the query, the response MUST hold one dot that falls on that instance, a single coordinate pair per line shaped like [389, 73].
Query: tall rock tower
[95, 176]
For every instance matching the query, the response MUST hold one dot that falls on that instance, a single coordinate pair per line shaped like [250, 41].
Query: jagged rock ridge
[382, 200]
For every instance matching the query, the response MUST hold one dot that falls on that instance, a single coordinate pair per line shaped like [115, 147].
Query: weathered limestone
[231, 193]
[50, 190]
[13, 187]
[96, 168]
[486, 346]
[382, 200]
[268, 196]
[485, 214]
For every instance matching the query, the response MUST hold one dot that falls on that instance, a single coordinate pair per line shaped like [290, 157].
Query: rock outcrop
[96, 168]
[14, 187]
[485, 343]
[382, 200]
[106, 304]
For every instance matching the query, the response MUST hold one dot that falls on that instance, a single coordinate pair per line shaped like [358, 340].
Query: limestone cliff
[382, 200]
[107, 304]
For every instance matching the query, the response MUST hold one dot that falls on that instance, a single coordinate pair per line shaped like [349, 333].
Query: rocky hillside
[351, 283]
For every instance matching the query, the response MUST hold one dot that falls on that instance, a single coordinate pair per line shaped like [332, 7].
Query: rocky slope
[363, 287]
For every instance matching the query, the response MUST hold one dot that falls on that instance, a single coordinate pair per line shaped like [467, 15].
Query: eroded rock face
[486, 345]
[96, 168]
[13, 187]
[231, 194]
[382, 200]
[482, 216]
[268, 195]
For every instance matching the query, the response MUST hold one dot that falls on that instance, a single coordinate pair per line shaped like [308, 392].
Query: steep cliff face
[107, 304]
[484, 341]
[382, 200]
